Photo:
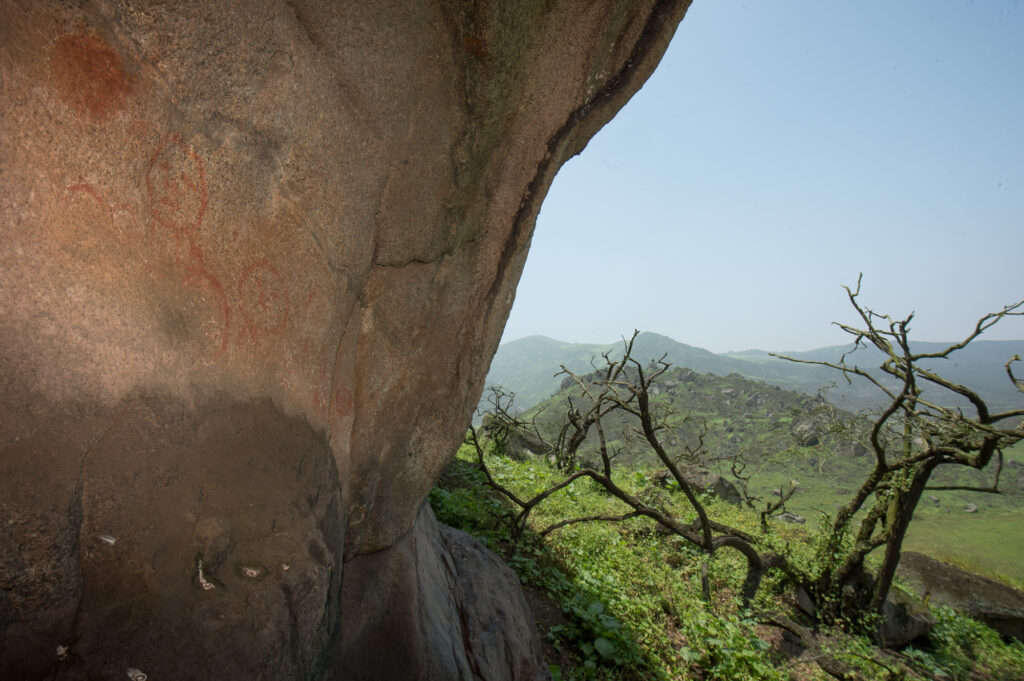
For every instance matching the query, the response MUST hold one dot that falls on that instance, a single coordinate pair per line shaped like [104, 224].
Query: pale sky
[779, 149]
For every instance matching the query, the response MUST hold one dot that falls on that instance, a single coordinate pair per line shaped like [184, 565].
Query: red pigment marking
[320, 400]
[343, 400]
[318, 378]
[475, 46]
[176, 185]
[88, 75]
[264, 299]
[138, 128]
[197, 274]
[92, 192]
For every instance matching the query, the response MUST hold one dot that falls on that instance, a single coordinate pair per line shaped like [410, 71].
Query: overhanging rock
[255, 260]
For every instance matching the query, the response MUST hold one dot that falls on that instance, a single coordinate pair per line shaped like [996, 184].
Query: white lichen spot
[203, 582]
[251, 572]
[285, 566]
[62, 652]
[136, 674]
[107, 539]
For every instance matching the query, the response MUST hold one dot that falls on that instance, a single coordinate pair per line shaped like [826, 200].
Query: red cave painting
[90, 191]
[343, 400]
[88, 75]
[95, 195]
[263, 299]
[338, 402]
[197, 275]
[176, 186]
[319, 399]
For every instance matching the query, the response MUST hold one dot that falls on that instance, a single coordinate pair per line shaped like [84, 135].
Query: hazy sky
[779, 149]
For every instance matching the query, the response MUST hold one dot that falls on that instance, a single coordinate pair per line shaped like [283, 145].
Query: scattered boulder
[788, 517]
[806, 433]
[701, 480]
[904, 619]
[461, 606]
[804, 601]
[519, 444]
[997, 605]
[851, 448]
[970, 507]
[1015, 474]
[523, 443]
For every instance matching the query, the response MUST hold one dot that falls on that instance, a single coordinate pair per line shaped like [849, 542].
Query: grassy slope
[755, 420]
[629, 600]
[989, 542]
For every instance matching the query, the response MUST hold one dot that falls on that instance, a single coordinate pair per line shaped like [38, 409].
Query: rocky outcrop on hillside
[997, 605]
[256, 258]
[703, 481]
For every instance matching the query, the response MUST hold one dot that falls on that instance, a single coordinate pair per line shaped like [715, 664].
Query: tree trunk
[902, 512]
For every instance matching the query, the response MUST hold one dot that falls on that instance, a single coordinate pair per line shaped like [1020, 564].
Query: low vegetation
[624, 601]
[606, 511]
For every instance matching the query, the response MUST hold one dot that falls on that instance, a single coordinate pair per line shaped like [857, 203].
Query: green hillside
[623, 601]
[980, 365]
[622, 598]
[528, 367]
[781, 435]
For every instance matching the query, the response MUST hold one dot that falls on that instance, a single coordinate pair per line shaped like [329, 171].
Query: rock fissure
[411, 261]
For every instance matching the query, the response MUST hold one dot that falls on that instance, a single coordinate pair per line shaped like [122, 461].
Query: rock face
[255, 260]
[433, 577]
[702, 480]
[518, 444]
[997, 605]
[903, 620]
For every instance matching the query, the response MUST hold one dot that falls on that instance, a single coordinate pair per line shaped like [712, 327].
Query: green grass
[989, 542]
[631, 596]
[991, 545]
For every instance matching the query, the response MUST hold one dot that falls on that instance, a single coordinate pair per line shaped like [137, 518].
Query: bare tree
[623, 385]
[909, 439]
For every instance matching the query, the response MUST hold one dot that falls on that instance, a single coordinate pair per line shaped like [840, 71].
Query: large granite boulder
[256, 257]
[997, 605]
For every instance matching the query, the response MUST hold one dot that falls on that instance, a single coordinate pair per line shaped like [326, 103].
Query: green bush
[631, 596]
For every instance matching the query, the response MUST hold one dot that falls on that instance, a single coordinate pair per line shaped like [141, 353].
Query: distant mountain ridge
[527, 367]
